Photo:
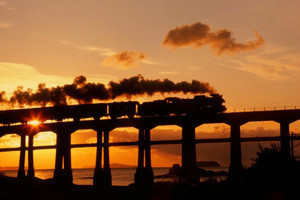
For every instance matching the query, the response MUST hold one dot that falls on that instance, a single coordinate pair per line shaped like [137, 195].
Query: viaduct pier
[144, 172]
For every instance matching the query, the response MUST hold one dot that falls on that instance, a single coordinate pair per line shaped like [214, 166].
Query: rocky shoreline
[176, 171]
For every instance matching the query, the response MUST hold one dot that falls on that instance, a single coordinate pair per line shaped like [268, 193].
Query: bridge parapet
[258, 109]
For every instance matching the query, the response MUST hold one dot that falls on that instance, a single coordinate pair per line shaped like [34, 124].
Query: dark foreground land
[46, 190]
[272, 177]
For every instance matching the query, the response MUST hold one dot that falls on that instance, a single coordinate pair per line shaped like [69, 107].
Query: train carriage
[199, 105]
[154, 108]
[120, 109]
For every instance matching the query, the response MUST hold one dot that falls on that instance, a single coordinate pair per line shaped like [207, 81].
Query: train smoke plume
[2, 97]
[84, 92]
[137, 85]
[199, 34]
[42, 96]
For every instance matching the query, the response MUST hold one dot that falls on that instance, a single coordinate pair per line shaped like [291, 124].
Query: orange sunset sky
[247, 50]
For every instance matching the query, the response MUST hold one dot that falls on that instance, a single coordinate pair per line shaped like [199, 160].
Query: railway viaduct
[144, 172]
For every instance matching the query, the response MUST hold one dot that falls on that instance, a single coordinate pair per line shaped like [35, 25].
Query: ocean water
[120, 176]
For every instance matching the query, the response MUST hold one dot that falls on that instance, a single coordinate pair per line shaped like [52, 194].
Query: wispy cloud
[195, 68]
[199, 34]
[151, 62]
[168, 73]
[11, 140]
[268, 72]
[123, 59]
[3, 3]
[271, 64]
[96, 49]
[16, 74]
[5, 25]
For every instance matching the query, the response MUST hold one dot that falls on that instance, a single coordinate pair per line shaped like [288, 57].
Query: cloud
[113, 58]
[10, 140]
[199, 34]
[266, 72]
[15, 74]
[5, 25]
[96, 49]
[2, 3]
[151, 62]
[195, 68]
[168, 73]
[273, 63]
[124, 59]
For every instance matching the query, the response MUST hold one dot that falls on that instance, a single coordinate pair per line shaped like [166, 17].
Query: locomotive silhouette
[172, 106]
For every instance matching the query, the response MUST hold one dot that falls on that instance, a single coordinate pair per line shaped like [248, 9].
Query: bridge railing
[269, 108]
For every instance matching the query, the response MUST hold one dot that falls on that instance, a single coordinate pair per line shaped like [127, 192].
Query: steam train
[199, 105]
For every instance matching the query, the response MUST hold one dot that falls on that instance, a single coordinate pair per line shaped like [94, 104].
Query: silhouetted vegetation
[272, 174]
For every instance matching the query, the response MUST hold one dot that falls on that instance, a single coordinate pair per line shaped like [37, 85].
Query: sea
[120, 176]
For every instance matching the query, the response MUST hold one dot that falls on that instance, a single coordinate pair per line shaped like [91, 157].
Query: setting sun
[34, 122]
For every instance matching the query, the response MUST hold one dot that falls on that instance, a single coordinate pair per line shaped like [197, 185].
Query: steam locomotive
[175, 106]
[199, 105]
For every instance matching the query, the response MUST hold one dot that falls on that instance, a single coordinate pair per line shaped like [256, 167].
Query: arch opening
[9, 161]
[164, 156]
[257, 130]
[213, 156]
[295, 144]
[83, 160]
[123, 159]
[215, 130]
[169, 132]
[127, 134]
[44, 159]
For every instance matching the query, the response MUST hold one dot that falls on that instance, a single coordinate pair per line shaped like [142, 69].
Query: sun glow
[34, 122]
